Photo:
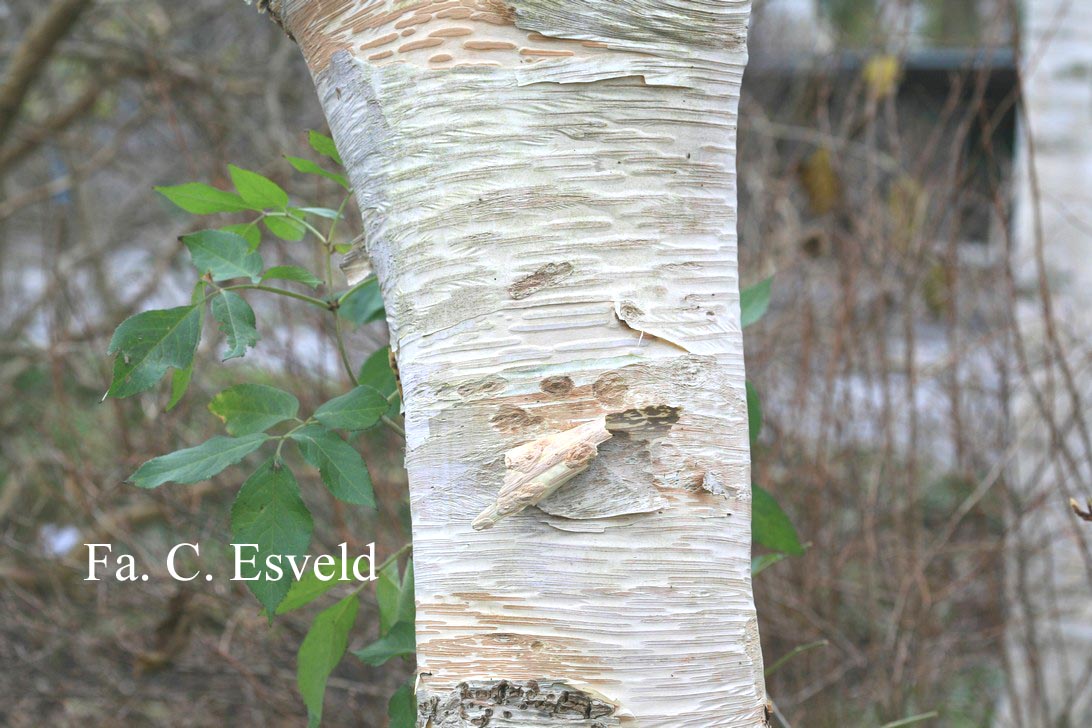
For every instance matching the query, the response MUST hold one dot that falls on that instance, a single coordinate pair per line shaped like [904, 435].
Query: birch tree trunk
[548, 191]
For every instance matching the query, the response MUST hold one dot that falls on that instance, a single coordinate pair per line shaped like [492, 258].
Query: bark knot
[538, 468]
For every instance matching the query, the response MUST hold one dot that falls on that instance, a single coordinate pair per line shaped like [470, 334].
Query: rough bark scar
[548, 275]
[276, 12]
[512, 419]
[509, 703]
[538, 468]
[558, 386]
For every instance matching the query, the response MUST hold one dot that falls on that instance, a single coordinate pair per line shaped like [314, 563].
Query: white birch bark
[1049, 639]
[548, 191]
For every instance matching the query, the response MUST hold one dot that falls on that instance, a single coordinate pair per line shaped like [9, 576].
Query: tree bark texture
[548, 192]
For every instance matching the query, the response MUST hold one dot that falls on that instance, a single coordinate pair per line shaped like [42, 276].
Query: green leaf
[395, 597]
[257, 190]
[754, 302]
[388, 592]
[150, 343]
[324, 145]
[285, 228]
[248, 408]
[362, 304]
[376, 372]
[770, 527]
[398, 642]
[321, 651]
[358, 409]
[180, 383]
[342, 469]
[237, 323]
[308, 167]
[248, 231]
[407, 606]
[310, 587]
[223, 255]
[323, 212]
[765, 561]
[269, 513]
[292, 273]
[202, 199]
[180, 378]
[195, 464]
[754, 413]
[402, 707]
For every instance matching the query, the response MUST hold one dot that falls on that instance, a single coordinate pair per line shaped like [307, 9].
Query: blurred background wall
[881, 148]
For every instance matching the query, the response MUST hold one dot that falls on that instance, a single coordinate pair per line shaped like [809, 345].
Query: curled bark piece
[538, 468]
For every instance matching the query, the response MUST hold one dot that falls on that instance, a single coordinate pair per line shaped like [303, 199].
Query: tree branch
[29, 59]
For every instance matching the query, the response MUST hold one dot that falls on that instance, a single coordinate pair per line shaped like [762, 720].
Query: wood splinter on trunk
[538, 468]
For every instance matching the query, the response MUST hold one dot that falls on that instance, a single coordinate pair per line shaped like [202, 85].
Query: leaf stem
[341, 350]
[390, 560]
[309, 226]
[912, 719]
[796, 651]
[393, 425]
[280, 292]
[285, 437]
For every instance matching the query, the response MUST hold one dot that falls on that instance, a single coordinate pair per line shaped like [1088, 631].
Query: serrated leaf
[285, 228]
[754, 413]
[180, 383]
[358, 409]
[388, 590]
[325, 146]
[195, 464]
[770, 527]
[321, 651]
[269, 513]
[258, 190]
[202, 199]
[236, 319]
[248, 231]
[180, 378]
[362, 304]
[292, 273]
[400, 641]
[308, 167]
[402, 707]
[342, 469]
[376, 372]
[248, 408]
[150, 343]
[754, 301]
[310, 587]
[395, 597]
[224, 255]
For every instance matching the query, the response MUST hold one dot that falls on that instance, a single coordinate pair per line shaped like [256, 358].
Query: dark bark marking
[548, 275]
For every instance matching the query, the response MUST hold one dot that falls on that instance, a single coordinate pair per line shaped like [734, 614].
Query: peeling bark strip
[548, 191]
